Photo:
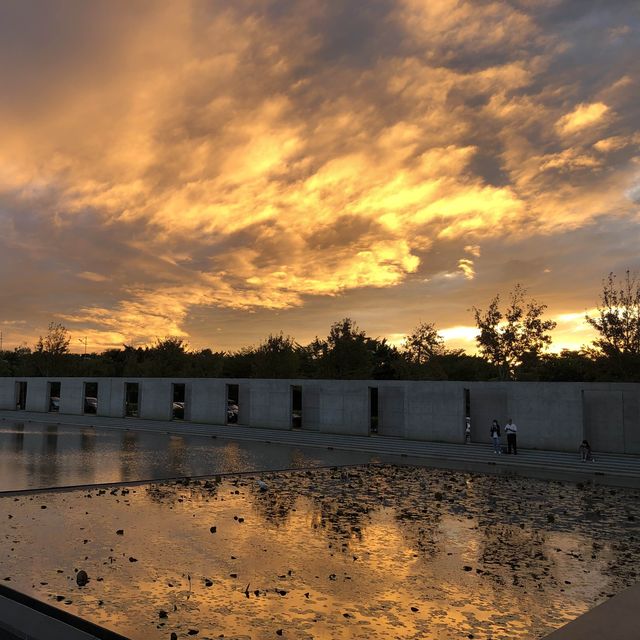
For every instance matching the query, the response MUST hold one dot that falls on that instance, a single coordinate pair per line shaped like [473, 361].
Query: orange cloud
[584, 115]
[245, 158]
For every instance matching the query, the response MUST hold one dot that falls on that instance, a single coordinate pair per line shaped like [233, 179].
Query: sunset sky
[220, 171]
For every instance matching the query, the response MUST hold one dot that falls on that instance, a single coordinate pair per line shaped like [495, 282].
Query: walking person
[511, 430]
[495, 436]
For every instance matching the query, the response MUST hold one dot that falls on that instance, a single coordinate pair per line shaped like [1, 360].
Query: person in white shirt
[510, 429]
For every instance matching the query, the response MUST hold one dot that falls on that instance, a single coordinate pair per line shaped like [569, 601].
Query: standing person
[511, 430]
[467, 431]
[495, 435]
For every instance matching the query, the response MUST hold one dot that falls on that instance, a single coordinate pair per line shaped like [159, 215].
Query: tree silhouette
[423, 344]
[56, 341]
[506, 339]
[344, 354]
[618, 326]
[50, 350]
[618, 319]
[277, 357]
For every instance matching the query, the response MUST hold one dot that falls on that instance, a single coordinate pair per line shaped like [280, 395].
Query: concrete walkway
[609, 469]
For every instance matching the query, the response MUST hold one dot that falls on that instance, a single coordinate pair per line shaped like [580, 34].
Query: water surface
[374, 553]
[36, 455]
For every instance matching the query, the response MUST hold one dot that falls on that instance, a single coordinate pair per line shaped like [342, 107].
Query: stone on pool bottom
[368, 552]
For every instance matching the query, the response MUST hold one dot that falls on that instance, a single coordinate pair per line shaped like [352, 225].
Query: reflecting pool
[373, 552]
[36, 455]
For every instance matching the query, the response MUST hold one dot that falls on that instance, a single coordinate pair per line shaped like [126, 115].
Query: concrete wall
[115, 407]
[269, 404]
[37, 396]
[631, 418]
[489, 402]
[392, 409]
[8, 394]
[435, 411]
[104, 396]
[208, 401]
[335, 406]
[548, 416]
[612, 417]
[72, 396]
[156, 399]
[554, 416]
[311, 407]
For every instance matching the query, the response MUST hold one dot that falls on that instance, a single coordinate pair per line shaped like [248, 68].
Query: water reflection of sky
[373, 552]
[34, 455]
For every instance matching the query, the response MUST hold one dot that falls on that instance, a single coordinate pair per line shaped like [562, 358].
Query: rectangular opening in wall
[233, 403]
[296, 406]
[54, 396]
[467, 415]
[179, 394]
[373, 410]
[131, 399]
[21, 396]
[91, 397]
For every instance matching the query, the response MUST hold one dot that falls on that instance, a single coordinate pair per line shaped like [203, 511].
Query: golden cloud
[248, 164]
[584, 115]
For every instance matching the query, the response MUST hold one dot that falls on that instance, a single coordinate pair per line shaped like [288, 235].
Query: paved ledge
[616, 619]
[609, 469]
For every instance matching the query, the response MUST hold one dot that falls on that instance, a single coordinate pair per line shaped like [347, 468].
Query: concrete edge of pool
[25, 618]
[616, 619]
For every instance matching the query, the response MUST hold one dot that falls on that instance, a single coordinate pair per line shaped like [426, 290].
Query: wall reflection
[130, 462]
[48, 461]
[18, 437]
[34, 455]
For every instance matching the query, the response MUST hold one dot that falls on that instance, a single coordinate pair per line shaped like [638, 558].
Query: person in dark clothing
[511, 430]
[585, 452]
